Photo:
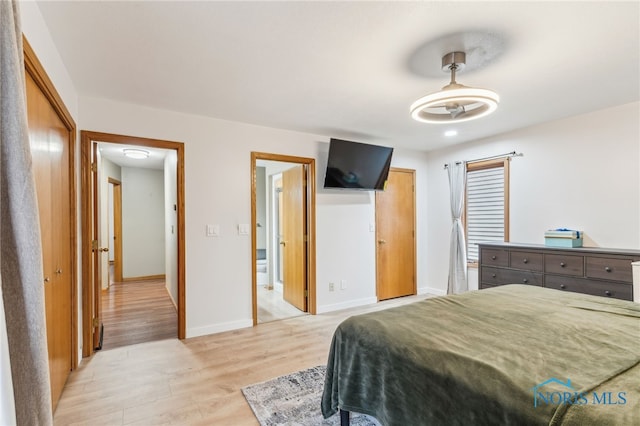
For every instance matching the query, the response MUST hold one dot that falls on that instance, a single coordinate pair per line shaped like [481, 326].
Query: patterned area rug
[294, 400]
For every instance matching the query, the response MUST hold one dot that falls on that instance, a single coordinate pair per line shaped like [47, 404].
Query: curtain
[457, 252]
[20, 246]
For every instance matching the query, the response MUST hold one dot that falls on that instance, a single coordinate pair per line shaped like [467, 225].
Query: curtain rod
[508, 154]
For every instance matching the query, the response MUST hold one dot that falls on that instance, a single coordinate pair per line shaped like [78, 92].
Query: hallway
[136, 312]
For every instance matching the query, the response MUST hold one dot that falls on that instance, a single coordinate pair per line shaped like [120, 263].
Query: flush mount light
[135, 153]
[455, 103]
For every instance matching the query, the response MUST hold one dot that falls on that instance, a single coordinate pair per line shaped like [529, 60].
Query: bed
[510, 355]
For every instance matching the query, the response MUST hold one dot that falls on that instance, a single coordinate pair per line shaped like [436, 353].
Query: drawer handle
[525, 280]
[493, 275]
[607, 293]
[607, 268]
[525, 260]
[493, 258]
[562, 264]
[562, 286]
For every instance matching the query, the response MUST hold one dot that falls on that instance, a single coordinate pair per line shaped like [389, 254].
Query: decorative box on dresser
[598, 271]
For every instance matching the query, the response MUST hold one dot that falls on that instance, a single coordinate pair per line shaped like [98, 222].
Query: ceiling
[115, 153]
[351, 69]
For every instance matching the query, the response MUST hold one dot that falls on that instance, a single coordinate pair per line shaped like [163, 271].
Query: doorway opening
[138, 275]
[283, 241]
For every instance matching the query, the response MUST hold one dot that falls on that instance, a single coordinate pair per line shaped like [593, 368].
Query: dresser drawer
[609, 269]
[525, 260]
[596, 288]
[490, 276]
[497, 276]
[494, 257]
[564, 264]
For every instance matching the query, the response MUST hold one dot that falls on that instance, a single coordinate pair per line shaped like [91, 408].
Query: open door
[115, 245]
[297, 230]
[96, 249]
[294, 234]
[93, 250]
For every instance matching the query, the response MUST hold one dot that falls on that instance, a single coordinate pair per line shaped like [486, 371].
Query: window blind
[485, 208]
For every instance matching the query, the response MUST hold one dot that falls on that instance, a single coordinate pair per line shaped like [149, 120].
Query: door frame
[34, 68]
[89, 296]
[117, 229]
[309, 165]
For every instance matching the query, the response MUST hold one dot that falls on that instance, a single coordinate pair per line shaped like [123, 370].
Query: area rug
[294, 400]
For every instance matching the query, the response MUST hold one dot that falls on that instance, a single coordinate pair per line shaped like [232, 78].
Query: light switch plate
[213, 230]
[243, 229]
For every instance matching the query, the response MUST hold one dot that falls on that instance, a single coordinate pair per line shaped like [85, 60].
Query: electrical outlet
[343, 284]
[332, 286]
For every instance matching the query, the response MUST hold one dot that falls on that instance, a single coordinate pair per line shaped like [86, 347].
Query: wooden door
[96, 249]
[117, 231]
[395, 236]
[50, 144]
[294, 232]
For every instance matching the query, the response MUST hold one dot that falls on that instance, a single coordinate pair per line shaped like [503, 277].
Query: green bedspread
[511, 355]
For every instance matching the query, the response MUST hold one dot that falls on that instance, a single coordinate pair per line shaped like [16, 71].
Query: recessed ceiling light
[135, 153]
[450, 133]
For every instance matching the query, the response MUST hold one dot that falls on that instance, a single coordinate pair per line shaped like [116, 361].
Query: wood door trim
[117, 229]
[415, 266]
[96, 307]
[34, 67]
[310, 173]
[86, 139]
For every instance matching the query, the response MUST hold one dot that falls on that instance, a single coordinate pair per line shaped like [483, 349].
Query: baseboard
[175, 305]
[432, 290]
[321, 309]
[218, 328]
[145, 278]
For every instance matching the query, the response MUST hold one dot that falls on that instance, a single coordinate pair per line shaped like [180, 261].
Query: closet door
[61, 256]
[49, 140]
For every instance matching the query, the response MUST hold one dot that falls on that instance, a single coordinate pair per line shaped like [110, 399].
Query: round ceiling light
[455, 103]
[135, 153]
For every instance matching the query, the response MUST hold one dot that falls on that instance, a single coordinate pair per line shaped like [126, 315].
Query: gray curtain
[20, 246]
[458, 251]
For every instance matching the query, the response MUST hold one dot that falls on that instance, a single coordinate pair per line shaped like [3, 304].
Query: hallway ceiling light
[135, 153]
[455, 102]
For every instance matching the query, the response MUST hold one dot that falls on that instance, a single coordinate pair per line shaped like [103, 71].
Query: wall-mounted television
[355, 165]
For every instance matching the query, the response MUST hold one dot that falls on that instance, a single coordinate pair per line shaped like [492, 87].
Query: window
[487, 204]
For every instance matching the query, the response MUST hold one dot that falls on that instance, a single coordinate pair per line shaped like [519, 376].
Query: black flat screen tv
[355, 165]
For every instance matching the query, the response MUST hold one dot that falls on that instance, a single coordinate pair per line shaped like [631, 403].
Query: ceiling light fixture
[455, 102]
[135, 153]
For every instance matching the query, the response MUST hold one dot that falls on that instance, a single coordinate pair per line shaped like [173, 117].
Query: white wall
[218, 191]
[171, 224]
[7, 407]
[595, 155]
[580, 173]
[143, 222]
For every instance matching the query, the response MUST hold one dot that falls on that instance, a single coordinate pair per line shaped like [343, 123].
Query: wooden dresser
[597, 271]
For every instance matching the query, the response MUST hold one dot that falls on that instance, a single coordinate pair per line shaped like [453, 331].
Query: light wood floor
[137, 312]
[273, 307]
[196, 381]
